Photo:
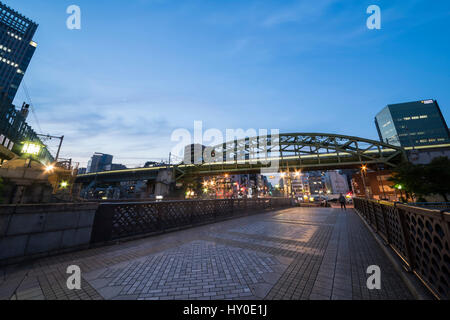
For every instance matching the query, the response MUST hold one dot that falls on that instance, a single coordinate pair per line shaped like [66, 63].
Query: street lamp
[364, 170]
[49, 168]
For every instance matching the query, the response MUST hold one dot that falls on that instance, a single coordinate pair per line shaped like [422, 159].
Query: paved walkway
[293, 254]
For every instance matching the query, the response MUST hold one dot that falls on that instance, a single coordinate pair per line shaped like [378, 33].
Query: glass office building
[16, 49]
[413, 124]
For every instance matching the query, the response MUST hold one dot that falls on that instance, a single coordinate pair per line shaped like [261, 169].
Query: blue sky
[139, 69]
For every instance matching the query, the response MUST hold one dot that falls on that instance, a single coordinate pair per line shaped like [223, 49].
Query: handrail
[114, 221]
[420, 236]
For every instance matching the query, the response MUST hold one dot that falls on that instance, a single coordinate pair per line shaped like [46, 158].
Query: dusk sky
[139, 69]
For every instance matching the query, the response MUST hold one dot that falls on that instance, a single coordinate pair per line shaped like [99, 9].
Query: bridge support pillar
[162, 185]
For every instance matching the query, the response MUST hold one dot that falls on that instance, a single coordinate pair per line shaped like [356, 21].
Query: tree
[438, 177]
[422, 180]
[411, 179]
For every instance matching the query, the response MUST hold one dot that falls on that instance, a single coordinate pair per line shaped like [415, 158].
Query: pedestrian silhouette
[343, 202]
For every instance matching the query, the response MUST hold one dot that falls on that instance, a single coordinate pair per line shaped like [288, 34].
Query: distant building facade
[316, 182]
[193, 154]
[336, 182]
[99, 162]
[375, 185]
[413, 124]
[16, 49]
[114, 167]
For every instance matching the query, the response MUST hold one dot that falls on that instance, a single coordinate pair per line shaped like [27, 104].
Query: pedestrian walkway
[292, 254]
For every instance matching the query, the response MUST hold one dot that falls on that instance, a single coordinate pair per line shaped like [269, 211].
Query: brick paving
[293, 254]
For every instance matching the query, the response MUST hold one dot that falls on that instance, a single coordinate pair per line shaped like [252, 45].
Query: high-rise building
[193, 154]
[412, 124]
[99, 162]
[336, 182]
[16, 49]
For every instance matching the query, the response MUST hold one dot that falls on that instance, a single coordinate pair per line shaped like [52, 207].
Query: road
[292, 254]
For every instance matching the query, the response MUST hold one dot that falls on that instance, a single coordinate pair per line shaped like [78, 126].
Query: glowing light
[283, 174]
[31, 148]
[64, 184]
[49, 168]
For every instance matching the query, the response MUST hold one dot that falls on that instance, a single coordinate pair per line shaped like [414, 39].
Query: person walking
[343, 202]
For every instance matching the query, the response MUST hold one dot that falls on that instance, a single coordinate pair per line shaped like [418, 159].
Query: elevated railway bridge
[271, 154]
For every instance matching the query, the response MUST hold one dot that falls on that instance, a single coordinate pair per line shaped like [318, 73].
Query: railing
[421, 237]
[115, 221]
[432, 205]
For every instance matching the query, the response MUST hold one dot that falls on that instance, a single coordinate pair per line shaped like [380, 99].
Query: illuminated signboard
[31, 148]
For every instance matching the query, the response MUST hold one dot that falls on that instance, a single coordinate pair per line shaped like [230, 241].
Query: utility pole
[61, 139]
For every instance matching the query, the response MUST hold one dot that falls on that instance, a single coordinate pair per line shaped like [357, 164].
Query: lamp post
[364, 170]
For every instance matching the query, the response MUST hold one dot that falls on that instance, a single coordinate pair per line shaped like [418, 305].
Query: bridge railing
[420, 236]
[114, 221]
[432, 205]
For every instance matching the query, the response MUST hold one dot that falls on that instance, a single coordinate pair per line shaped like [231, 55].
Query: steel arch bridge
[294, 151]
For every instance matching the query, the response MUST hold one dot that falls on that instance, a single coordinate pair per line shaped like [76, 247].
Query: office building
[316, 182]
[413, 124]
[99, 162]
[16, 50]
[336, 182]
[193, 154]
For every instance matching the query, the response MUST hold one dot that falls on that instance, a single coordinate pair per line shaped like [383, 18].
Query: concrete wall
[31, 231]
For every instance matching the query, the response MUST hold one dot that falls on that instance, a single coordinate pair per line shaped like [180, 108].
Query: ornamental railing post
[406, 239]
[383, 209]
[102, 229]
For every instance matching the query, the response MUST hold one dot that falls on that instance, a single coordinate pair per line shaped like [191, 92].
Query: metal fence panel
[120, 220]
[421, 237]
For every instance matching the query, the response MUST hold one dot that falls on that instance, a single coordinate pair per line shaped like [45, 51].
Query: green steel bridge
[15, 131]
[284, 152]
